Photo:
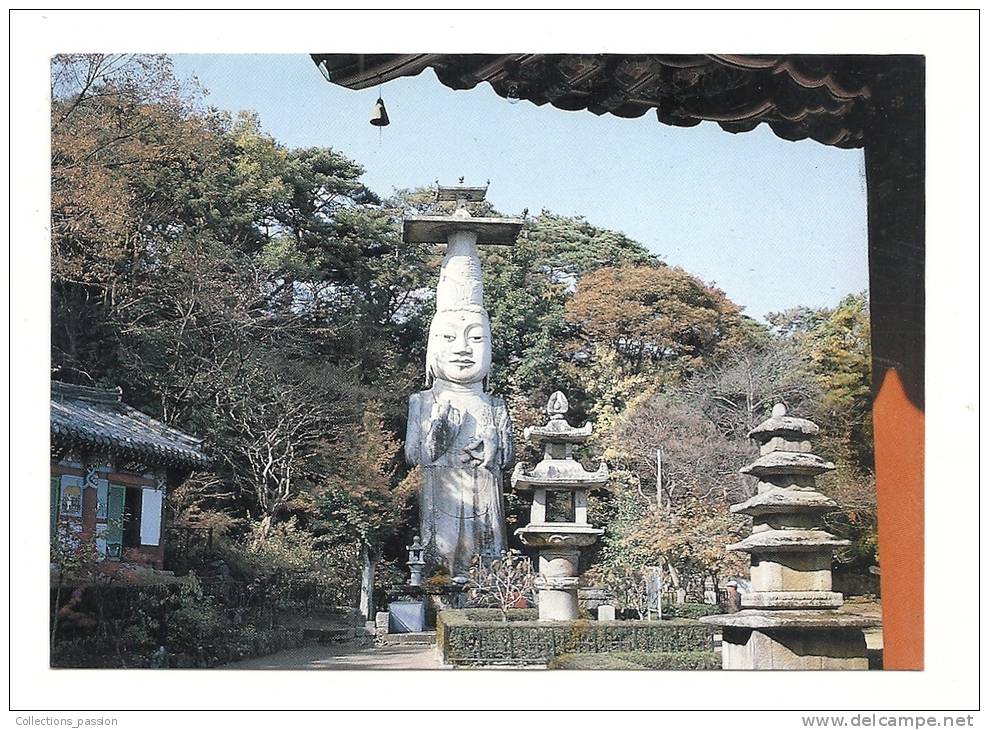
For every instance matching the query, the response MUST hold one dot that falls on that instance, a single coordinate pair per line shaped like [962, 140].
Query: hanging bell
[379, 115]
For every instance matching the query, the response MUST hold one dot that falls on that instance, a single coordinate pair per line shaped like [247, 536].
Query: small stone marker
[381, 622]
[606, 613]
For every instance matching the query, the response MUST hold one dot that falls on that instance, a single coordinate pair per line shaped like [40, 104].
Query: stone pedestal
[789, 620]
[558, 524]
[557, 584]
[435, 598]
[406, 617]
[754, 639]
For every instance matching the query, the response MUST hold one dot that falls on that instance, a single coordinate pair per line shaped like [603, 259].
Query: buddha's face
[459, 348]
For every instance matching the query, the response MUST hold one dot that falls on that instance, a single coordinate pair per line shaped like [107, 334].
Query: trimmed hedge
[690, 610]
[480, 636]
[461, 617]
[678, 660]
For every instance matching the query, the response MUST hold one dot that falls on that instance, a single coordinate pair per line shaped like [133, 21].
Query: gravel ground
[344, 656]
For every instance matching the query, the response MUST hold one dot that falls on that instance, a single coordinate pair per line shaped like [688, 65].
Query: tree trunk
[367, 583]
[55, 616]
[264, 531]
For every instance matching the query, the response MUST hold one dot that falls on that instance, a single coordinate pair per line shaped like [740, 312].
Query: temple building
[111, 468]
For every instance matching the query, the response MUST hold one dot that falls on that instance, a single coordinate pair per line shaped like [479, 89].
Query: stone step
[417, 637]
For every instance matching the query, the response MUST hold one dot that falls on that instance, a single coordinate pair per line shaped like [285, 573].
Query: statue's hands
[444, 424]
[482, 451]
[473, 453]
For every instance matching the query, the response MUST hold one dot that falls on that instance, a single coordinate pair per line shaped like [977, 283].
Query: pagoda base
[792, 640]
[801, 650]
[557, 605]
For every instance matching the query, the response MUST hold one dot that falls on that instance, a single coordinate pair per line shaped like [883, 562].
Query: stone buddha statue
[460, 435]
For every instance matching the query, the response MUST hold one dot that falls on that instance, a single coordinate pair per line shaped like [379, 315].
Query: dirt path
[344, 656]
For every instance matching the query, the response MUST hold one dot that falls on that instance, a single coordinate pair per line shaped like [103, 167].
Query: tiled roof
[827, 98]
[98, 419]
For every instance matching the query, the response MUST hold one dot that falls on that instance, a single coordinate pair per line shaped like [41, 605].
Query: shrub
[185, 624]
[690, 610]
[193, 621]
[503, 583]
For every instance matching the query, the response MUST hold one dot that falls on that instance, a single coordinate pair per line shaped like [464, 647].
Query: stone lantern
[789, 620]
[558, 524]
[416, 561]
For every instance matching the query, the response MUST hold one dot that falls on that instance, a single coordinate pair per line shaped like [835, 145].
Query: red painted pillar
[894, 159]
[899, 434]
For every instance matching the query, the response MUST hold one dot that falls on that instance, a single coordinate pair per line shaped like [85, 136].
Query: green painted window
[115, 520]
[102, 492]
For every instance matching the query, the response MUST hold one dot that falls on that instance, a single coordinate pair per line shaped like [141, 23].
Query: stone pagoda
[558, 524]
[790, 618]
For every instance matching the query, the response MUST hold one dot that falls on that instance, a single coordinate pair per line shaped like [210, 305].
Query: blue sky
[775, 224]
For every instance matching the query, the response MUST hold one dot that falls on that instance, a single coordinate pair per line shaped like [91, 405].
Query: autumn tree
[836, 343]
[654, 317]
[687, 542]
[233, 287]
[124, 133]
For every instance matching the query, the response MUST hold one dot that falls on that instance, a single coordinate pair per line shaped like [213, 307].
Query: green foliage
[689, 610]
[836, 343]
[178, 625]
[567, 247]
[637, 660]
[192, 617]
[608, 384]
